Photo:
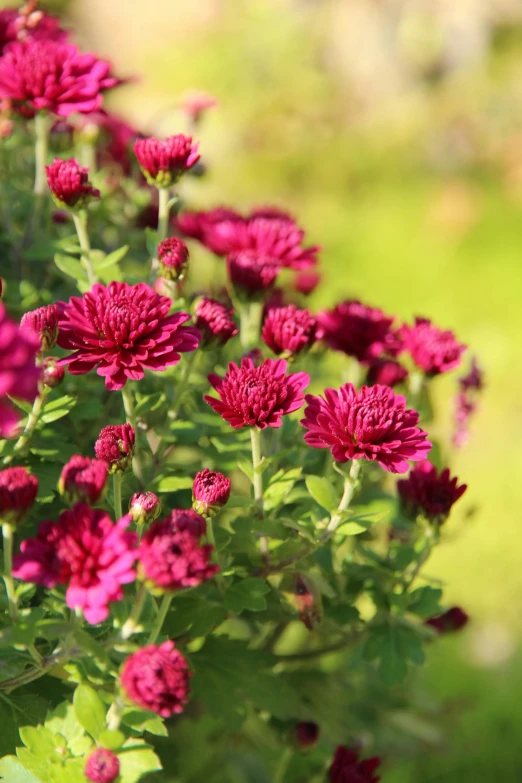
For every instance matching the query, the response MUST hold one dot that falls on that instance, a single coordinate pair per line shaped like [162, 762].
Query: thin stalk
[163, 213]
[113, 718]
[349, 487]
[128, 404]
[32, 421]
[255, 438]
[116, 486]
[80, 224]
[184, 383]
[250, 324]
[212, 540]
[131, 624]
[164, 608]
[87, 155]
[7, 532]
[42, 126]
[283, 765]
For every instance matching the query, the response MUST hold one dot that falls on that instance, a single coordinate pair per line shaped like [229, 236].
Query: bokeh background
[393, 130]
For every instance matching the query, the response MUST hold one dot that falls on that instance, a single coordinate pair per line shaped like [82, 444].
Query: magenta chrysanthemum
[252, 273]
[173, 257]
[18, 490]
[44, 323]
[115, 446]
[260, 396]
[372, 424]
[19, 374]
[355, 329]
[170, 559]
[215, 229]
[46, 75]
[83, 478]
[346, 767]
[102, 766]
[123, 330]
[453, 619]
[214, 321]
[306, 281]
[157, 679]
[188, 520]
[387, 372]
[289, 330]
[87, 552]
[210, 492]
[433, 350]
[17, 26]
[69, 184]
[428, 492]
[164, 161]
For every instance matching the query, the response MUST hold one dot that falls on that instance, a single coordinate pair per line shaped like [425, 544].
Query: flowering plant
[206, 551]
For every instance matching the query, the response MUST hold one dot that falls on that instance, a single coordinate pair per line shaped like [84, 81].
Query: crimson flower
[187, 520]
[17, 26]
[356, 329]
[252, 273]
[289, 330]
[433, 350]
[19, 374]
[387, 372]
[346, 767]
[69, 184]
[214, 321]
[260, 396]
[210, 492]
[44, 322]
[215, 229]
[83, 478]
[123, 330]
[46, 75]
[18, 490]
[452, 620]
[87, 552]
[156, 677]
[428, 492]
[173, 257]
[372, 424]
[306, 733]
[115, 446]
[144, 508]
[164, 161]
[53, 373]
[102, 766]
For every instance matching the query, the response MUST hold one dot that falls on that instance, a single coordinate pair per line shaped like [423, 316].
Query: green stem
[128, 404]
[116, 485]
[113, 718]
[184, 383]
[250, 324]
[32, 421]
[7, 532]
[283, 765]
[212, 540]
[87, 155]
[131, 624]
[163, 213]
[42, 126]
[164, 608]
[255, 437]
[80, 223]
[349, 487]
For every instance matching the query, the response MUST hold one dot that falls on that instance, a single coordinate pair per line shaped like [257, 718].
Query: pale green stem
[87, 154]
[7, 532]
[80, 223]
[131, 624]
[184, 383]
[113, 718]
[349, 487]
[32, 421]
[164, 608]
[250, 324]
[42, 126]
[35, 654]
[255, 437]
[212, 540]
[283, 765]
[163, 213]
[116, 486]
[128, 404]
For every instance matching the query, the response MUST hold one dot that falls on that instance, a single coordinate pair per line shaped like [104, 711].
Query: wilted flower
[433, 350]
[102, 766]
[251, 273]
[144, 508]
[306, 733]
[372, 424]
[452, 620]
[19, 374]
[356, 329]
[214, 321]
[289, 330]
[346, 767]
[260, 396]
[87, 552]
[18, 490]
[53, 372]
[156, 678]
[115, 446]
[210, 492]
[69, 184]
[163, 162]
[466, 402]
[428, 492]
[83, 478]
[173, 257]
[44, 323]
[188, 520]
[123, 330]
[386, 372]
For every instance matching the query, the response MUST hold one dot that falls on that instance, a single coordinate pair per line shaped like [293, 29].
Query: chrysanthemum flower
[433, 350]
[187, 520]
[87, 552]
[452, 620]
[19, 374]
[214, 321]
[346, 767]
[123, 330]
[44, 323]
[289, 330]
[83, 478]
[260, 396]
[15, 26]
[115, 446]
[156, 678]
[69, 184]
[306, 281]
[387, 372]
[372, 424]
[428, 492]
[18, 490]
[210, 492]
[46, 75]
[173, 256]
[164, 161]
[103, 766]
[144, 508]
[355, 329]
[252, 273]
[216, 229]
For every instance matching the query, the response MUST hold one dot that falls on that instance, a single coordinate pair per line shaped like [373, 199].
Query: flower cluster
[83, 478]
[157, 678]
[355, 329]
[433, 350]
[466, 402]
[428, 492]
[289, 330]
[16, 25]
[173, 257]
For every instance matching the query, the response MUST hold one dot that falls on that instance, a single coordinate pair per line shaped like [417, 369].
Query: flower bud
[144, 508]
[83, 479]
[306, 733]
[115, 445]
[18, 489]
[251, 273]
[44, 322]
[210, 491]
[102, 766]
[453, 620]
[69, 184]
[156, 678]
[173, 257]
[163, 162]
[214, 321]
[53, 373]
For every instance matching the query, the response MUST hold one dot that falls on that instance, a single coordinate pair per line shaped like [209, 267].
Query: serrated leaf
[425, 601]
[248, 594]
[89, 710]
[70, 266]
[394, 646]
[136, 761]
[322, 492]
[13, 771]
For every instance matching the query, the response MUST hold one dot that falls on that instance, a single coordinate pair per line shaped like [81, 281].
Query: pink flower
[163, 162]
[466, 402]
[433, 350]
[428, 492]
[157, 679]
[453, 619]
[69, 184]
[46, 75]
[170, 559]
[83, 478]
[19, 374]
[102, 766]
[123, 330]
[356, 329]
[214, 321]
[215, 229]
[260, 396]
[306, 281]
[115, 446]
[187, 520]
[387, 372]
[87, 552]
[196, 103]
[16, 26]
[346, 767]
[44, 323]
[18, 490]
[173, 256]
[289, 330]
[144, 508]
[252, 273]
[372, 424]
[210, 492]
[114, 146]
[474, 378]
[53, 373]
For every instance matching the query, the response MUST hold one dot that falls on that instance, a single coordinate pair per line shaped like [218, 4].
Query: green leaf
[57, 409]
[112, 258]
[112, 739]
[151, 241]
[173, 483]
[322, 492]
[394, 646]
[89, 710]
[424, 601]
[245, 467]
[70, 266]
[13, 771]
[247, 594]
[137, 760]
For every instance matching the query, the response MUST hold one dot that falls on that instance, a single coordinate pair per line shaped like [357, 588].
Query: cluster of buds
[115, 446]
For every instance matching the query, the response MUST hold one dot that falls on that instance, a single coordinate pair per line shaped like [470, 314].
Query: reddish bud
[69, 184]
[173, 256]
[115, 445]
[44, 322]
[210, 492]
[53, 373]
[102, 766]
[83, 479]
[18, 490]
[144, 508]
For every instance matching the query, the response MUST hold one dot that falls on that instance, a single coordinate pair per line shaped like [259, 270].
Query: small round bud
[44, 322]
[173, 256]
[83, 479]
[453, 619]
[210, 492]
[306, 733]
[214, 321]
[53, 373]
[163, 162]
[69, 184]
[102, 766]
[144, 508]
[18, 490]
[115, 445]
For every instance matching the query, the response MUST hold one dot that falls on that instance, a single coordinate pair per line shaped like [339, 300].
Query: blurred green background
[393, 130]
